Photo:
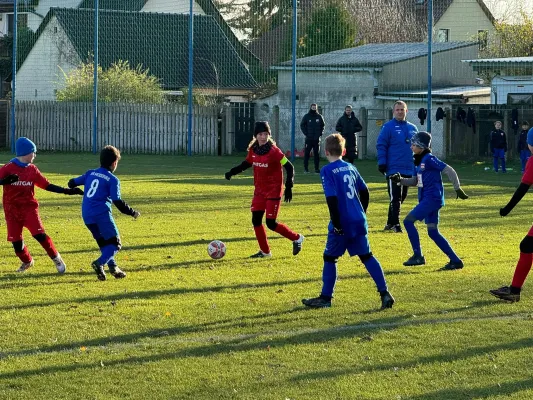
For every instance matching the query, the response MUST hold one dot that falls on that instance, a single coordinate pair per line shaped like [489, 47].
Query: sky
[508, 10]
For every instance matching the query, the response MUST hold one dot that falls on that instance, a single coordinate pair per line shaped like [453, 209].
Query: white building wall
[332, 91]
[171, 7]
[41, 74]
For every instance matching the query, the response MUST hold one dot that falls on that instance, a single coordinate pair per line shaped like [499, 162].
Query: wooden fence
[133, 128]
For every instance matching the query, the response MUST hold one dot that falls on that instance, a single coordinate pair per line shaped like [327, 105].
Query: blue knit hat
[24, 146]
[530, 137]
[421, 139]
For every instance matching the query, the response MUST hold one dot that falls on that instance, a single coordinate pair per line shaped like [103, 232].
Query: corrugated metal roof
[452, 91]
[507, 60]
[372, 55]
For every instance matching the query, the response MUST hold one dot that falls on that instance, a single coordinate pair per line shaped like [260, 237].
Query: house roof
[371, 55]
[441, 6]
[159, 42]
[207, 5]
[119, 5]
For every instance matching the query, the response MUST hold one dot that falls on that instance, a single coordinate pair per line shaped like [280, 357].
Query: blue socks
[108, 252]
[443, 244]
[329, 278]
[373, 267]
[412, 233]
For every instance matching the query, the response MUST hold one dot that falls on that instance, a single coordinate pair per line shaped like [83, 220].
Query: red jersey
[268, 174]
[527, 178]
[21, 194]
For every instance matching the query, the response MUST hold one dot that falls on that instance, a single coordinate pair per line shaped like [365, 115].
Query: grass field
[183, 326]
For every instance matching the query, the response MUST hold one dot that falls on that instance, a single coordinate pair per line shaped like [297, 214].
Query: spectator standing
[312, 127]
[348, 125]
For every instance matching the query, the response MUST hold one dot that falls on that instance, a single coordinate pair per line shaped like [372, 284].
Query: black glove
[228, 175]
[504, 211]
[382, 168]
[338, 231]
[396, 178]
[8, 180]
[73, 191]
[288, 194]
[461, 194]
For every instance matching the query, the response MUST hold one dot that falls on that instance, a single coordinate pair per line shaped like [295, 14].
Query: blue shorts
[427, 211]
[337, 245]
[102, 226]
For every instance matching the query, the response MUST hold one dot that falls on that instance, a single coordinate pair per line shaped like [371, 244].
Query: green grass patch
[183, 326]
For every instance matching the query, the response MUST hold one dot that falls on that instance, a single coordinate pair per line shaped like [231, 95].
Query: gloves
[288, 194]
[228, 175]
[136, 214]
[382, 168]
[504, 211]
[396, 178]
[73, 191]
[8, 180]
[338, 231]
[461, 194]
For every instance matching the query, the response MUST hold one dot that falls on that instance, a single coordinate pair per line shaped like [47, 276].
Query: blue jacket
[394, 147]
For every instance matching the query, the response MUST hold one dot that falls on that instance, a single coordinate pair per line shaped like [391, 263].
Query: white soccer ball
[216, 249]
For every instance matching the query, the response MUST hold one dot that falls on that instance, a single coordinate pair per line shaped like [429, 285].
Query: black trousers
[315, 146]
[397, 195]
[351, 154]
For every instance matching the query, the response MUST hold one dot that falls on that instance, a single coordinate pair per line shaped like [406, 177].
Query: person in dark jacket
[312, 127]
[498, 146]
[523, 148]
[348, 125]
[395, 155]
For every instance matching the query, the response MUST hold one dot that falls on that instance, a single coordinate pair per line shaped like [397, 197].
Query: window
[483, 39]
[22, 21]
[443, 35]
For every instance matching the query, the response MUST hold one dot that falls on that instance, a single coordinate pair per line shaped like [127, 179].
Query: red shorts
[29, 219]
[269, 205]
[530, 233]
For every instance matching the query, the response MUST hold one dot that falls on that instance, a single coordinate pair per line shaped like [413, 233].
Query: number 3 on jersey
[350, 180]
[93, 188]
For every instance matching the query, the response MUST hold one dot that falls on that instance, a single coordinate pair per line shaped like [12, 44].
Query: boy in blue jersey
[101, 189]
[428, 178]
[347, 198]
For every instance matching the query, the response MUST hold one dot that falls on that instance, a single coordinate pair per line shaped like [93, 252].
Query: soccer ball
[216, 249]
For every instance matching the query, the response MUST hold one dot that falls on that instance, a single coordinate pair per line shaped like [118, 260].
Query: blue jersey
[342, 180]
[101, 189]
[429, 179]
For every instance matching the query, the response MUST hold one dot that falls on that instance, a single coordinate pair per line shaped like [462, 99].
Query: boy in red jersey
[267, 160]
[512, 293]
[21, 208]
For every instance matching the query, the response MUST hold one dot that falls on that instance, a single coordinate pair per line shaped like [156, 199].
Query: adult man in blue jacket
[395, 155]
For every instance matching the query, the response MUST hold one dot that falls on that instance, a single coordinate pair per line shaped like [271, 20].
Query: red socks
[522, 269]
[24, 255]
[260, 234]
[284, 231]
[49, 247]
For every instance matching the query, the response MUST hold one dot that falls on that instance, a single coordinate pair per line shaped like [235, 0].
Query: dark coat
[312, 125]
[348, 127]
[498, 140]
[440, 114]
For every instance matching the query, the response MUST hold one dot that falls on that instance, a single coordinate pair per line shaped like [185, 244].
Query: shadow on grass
[188, 243]
[246, 343]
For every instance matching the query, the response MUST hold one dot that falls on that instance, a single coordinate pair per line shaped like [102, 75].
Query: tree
[254, 18]
[511, 39]
[119, 83]
[330, 28]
